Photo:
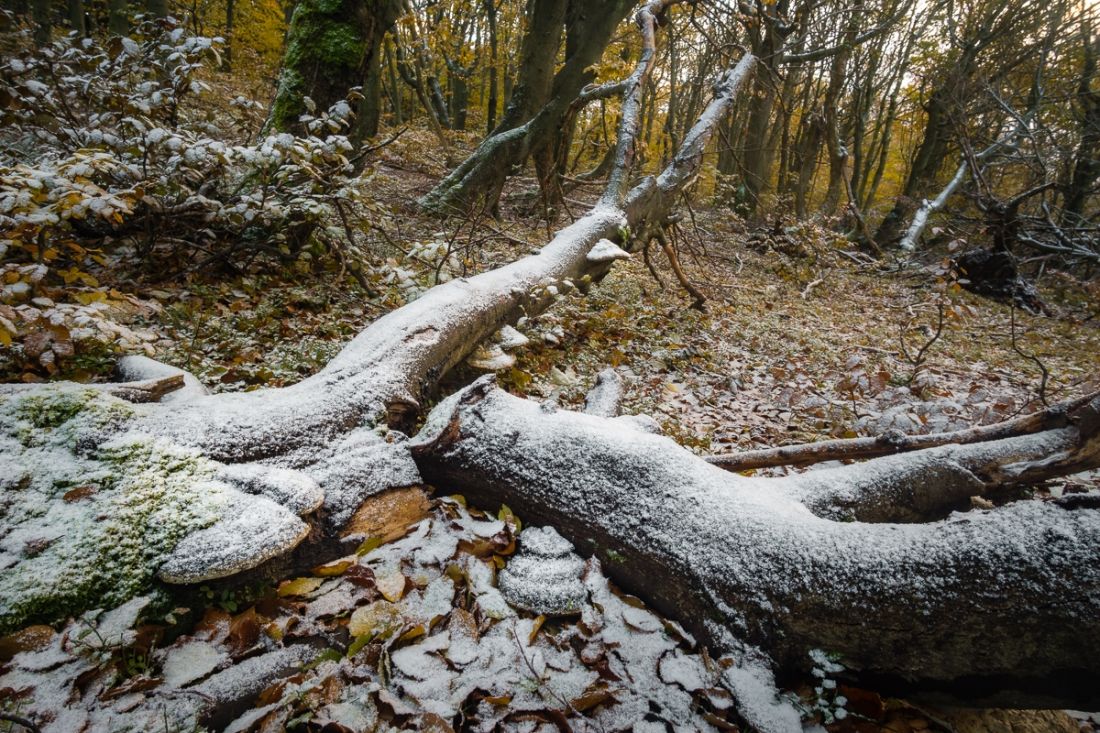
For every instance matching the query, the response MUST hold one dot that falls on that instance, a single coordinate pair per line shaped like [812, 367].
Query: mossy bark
[330, 48]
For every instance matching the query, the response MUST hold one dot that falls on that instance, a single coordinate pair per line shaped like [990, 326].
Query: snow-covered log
[103, 497]
[929, 207]
[387, 368]
[1000, 607]
[251, 476]
[894, 441]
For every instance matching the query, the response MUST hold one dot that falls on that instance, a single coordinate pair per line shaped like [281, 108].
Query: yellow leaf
[535, 627]
[391, 586]
[299, 586]
[379, 619]
[89, 298]
[413, 633]
[336, 567]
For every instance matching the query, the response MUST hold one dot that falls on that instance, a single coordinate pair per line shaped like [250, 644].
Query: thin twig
[918, 360]
[21, 721]
[1031, 357]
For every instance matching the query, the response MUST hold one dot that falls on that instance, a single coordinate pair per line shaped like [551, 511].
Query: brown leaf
[36, 343]
[863, 702]
[63, 349]
[388, 516]
[30, 639]
[432, 723]
[80, 492]
[134, 684]
[478, 547]
[214, 625]
[244, 632]
[596, 695]
[360, 575]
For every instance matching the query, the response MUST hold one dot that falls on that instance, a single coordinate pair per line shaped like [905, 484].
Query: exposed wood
[149, 390]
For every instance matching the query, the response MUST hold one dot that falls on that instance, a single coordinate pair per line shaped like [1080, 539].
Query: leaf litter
[411, 633]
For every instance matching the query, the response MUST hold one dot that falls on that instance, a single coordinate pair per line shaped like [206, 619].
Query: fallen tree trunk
[254, 475]
[998, 607]
[928, 207]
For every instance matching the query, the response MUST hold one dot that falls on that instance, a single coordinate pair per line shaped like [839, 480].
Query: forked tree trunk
[534, 120]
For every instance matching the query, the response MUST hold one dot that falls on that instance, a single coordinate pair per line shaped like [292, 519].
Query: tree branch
[804, 454]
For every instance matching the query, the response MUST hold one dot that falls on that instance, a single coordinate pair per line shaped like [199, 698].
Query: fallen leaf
[388, 516]
[30, 639]
[299, 586]
[380, 618]
[391, 586]
[336, 567]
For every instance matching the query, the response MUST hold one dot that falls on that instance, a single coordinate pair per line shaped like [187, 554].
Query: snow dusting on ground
[412, 633]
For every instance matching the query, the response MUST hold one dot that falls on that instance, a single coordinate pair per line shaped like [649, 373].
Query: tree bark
[118, 17]
[533, 123]
[493, 102]
[369, 118]
[157, 8]
[1086, 160]
[838, 74]
[76, 17]
[41, 11]
[230, 13]
[329, 49]
[997, 607]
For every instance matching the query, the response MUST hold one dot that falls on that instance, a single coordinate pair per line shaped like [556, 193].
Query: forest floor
[800, 339]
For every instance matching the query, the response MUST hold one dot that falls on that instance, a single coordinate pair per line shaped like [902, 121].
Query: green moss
[53, 408]
[29, 418]
[288, 104]
[615, 557]
[102, 546]
[324, 44]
